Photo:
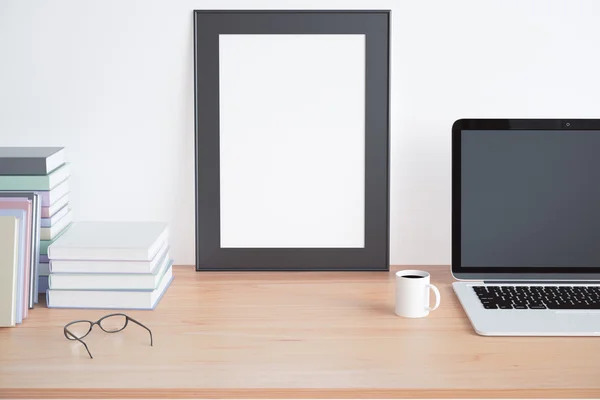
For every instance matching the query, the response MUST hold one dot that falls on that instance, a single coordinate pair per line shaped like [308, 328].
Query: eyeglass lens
[113, 323]
[79, 329]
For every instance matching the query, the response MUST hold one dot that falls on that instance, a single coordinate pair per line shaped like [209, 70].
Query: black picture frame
[375, 25]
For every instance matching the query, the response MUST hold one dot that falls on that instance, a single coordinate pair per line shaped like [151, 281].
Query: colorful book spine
[40, 176]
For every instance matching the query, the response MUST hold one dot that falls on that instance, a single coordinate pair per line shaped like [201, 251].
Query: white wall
[112, 81]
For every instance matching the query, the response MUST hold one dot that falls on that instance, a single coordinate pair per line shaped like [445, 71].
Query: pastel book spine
[29, 269]
[37, 208]
[49, 233]
[48, 212]
[110, 299]
[47, 222]
[109, 281]
[42, 285]
[109, 266]
[20, 215]
[44, 269]
[34, 199]
[49, 197]
[44, 244]
[9, 264]
[35, 182]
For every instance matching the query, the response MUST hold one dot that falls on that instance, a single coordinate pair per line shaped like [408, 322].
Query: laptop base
[497, 322]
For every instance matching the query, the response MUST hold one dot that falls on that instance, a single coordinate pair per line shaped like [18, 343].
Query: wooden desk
[290, 334]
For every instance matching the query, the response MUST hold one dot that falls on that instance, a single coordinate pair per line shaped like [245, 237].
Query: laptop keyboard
[539, 297]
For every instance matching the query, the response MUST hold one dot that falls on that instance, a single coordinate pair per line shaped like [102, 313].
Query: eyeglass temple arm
[143, 326]
[80, 341]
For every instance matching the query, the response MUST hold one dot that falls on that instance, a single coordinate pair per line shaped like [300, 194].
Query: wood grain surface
[290, 334]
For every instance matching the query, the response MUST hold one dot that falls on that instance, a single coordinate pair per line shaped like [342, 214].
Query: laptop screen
[530, 198]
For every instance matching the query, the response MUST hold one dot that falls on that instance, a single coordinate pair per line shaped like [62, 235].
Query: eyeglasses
[111, 323]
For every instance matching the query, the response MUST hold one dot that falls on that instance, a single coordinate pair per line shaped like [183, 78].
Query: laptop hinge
[541, 282]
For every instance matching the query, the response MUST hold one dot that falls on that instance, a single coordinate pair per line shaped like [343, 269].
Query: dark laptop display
[530, 198]
[525, 198]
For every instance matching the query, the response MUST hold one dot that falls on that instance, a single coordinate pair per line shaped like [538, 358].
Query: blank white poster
[292, 141]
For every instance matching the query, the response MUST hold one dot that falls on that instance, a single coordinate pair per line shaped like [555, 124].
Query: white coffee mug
[412, 294]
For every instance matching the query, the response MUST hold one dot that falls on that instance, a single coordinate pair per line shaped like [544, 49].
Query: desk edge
[276, 393]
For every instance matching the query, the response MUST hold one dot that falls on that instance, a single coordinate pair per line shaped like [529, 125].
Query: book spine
[44, 246]
[29, 183]
[23, 166]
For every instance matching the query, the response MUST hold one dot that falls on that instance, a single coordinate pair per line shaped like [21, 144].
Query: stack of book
[110, 265]
[33, 200]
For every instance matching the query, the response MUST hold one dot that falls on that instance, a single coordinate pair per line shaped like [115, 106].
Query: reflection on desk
[290, 334]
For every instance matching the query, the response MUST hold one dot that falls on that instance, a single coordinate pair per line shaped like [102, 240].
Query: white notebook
[9, 256]
[110, 240]
[110, 266]
[87, 281]
[110, 299]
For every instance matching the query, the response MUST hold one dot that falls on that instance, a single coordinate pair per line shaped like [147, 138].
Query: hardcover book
[110, 299]
[21, 217]
[50, 197]
[47, 222]
[35, 182]
[24, 204]
[9, 246]
[110, 240]
[51, 232]
[89, 281]
[30, 160]
[33, 197]
[58, 205]
[44, 244]
[109, 266]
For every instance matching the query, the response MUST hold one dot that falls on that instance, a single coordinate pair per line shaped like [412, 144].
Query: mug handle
[437, 296]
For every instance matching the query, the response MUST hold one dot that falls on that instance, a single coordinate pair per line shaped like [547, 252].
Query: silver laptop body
[526, 225]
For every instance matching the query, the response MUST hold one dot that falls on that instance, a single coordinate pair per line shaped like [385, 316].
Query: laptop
[526, 225]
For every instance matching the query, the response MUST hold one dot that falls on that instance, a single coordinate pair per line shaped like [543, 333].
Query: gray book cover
[30, 160]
